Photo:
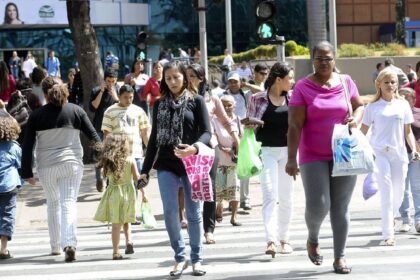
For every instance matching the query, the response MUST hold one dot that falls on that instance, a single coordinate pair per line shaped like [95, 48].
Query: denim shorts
[7, 214]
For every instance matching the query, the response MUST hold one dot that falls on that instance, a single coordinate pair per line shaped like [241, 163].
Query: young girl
[390, 117]
[10, 154]
[117, 205]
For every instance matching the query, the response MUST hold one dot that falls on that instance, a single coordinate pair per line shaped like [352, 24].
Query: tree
[400, 21]
[317, 22]
[87, 53]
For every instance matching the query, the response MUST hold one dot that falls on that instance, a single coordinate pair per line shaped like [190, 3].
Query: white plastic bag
[370, 186]
[352, 153]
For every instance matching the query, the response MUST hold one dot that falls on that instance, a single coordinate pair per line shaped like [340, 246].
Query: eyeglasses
[263, 73]
[323, 59]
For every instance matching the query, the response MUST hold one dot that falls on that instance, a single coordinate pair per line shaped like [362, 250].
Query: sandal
[209, 238]
[316, 259]
[129, 248]
[271, 249]
[6, 256]
[341, 269]
[285, 247]
[235, 224]
[198, 270]
[117, 256]
[389, 242]
[178, 272]
[219, 213]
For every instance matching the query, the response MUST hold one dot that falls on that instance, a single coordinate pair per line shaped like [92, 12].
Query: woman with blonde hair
[390, 117]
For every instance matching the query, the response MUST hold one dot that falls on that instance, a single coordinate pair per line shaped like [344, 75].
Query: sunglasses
[263, 73]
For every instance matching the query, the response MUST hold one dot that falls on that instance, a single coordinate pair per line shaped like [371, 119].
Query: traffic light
[141, 45]
[265, 12]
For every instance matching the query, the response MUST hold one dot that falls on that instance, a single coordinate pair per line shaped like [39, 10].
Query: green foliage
[418, 52]
[290, 48]
[393, 49]
[377, 46]
[354, 50]
[264, 51]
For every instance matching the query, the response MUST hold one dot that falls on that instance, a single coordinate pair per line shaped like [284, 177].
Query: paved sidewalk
[32, 212]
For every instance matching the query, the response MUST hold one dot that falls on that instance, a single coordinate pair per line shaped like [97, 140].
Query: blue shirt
[110, 60]
[53, 65]
[10, 154]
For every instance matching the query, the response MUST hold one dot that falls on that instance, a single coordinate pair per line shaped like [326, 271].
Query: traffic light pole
[203, 34]
[281, 56]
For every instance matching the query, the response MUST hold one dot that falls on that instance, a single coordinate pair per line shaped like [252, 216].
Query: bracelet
[195, 145]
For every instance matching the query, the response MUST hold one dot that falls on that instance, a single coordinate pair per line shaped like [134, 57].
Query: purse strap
[347, 95]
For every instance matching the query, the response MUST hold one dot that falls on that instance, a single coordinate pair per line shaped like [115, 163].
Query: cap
[233, 76]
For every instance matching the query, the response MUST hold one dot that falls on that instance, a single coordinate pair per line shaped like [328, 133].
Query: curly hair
[114, 153]
[58, 94]
[9, 129]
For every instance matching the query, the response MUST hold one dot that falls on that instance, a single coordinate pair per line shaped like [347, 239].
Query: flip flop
[209, 238]
[316, 259]
[341, 269]
[6, 256]
[235, 224]
[178, 272]
[198, 271]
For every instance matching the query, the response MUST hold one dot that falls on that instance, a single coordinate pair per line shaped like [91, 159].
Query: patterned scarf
[170, 119]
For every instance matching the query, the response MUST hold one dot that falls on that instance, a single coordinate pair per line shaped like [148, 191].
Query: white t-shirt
[387, 120]
[244, 73]
[228, 61]
[28, 66]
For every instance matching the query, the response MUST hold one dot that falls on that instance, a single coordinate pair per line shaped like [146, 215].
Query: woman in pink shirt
[415, 85]
[7, 83]
[317, 104]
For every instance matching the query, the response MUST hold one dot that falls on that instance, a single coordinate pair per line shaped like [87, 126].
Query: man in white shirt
[28, 65]
[227, 63]
[244, 71]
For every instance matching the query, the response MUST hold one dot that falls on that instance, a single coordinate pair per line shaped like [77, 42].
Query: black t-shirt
[106, 101]
[196, 128]
[274, 131]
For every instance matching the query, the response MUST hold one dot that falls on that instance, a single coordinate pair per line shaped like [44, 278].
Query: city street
[237, 254]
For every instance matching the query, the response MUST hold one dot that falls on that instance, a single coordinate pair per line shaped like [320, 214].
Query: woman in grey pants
[318, 103]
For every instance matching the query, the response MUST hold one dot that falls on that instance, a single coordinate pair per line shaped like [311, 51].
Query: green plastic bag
[149, 221]
[249, 162]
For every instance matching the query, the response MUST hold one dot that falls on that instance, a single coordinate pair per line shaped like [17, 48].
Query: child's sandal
[117, 256]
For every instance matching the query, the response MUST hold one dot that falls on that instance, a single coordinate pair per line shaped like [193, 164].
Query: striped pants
[61, 185]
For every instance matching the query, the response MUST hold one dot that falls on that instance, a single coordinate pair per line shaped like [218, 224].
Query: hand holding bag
[249, 162]
[147, 216]
[352, 153]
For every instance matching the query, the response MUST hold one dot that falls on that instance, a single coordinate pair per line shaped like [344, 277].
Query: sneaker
[245, 206]
[100, 186]
[418, 227]
[70, 254]
[405, 228]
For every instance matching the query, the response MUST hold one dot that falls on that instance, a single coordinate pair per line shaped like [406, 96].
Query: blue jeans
[169, 183]
[412, 182]
[7, 214]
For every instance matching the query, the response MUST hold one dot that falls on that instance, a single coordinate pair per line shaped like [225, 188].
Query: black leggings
[209, 208]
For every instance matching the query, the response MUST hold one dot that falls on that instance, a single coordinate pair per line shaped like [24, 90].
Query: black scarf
[170, 119]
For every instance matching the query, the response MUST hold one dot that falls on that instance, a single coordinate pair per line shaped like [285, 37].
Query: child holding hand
[10, 154]
[117, 205]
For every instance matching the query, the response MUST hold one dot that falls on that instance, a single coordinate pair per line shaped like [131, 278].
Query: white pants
[277, 191]
[391, 174]
[61, 185]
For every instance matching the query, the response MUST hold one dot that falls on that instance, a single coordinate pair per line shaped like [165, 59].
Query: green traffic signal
[266, 30]
[142, 56]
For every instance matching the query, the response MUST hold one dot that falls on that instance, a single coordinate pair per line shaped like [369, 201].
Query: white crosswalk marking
[238, 254]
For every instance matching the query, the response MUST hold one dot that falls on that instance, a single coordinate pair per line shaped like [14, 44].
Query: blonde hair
[114, 154]
[57, 95]
[386, 73]
[9, 129]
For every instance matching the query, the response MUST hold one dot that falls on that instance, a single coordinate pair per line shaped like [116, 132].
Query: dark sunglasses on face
[263, 73]
[323, 59]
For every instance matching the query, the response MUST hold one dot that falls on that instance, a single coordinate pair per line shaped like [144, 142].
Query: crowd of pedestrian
[176, 112]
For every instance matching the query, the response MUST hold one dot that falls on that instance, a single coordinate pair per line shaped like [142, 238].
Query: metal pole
[203, 34]
[333, 23]
[228, 8]
[281, 56]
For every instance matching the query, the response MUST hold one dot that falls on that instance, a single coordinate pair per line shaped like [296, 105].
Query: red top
[152, 87]
[5, 96]
[416, 86]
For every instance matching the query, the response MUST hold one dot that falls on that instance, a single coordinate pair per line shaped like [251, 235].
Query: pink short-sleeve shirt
[324, 108]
